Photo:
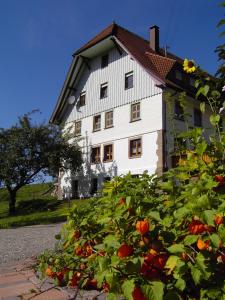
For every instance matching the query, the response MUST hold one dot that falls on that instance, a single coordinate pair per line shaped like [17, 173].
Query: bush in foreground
[150, 238]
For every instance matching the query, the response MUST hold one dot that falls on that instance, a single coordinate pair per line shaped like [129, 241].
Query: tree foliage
[29, 151]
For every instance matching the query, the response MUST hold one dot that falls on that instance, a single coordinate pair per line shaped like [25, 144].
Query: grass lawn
[34, 205]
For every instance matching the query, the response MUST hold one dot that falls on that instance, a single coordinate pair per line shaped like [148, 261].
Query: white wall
[114, 74]
[119, 135]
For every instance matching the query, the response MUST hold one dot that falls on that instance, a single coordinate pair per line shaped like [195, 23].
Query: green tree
[30, 151]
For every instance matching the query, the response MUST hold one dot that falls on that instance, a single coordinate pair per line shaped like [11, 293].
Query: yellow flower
[189, 66]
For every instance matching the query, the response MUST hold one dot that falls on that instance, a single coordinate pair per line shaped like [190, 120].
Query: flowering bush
[150, 238]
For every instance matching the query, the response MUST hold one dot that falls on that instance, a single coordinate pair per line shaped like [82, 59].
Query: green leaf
[171, 263]
[167, 186]
[127, 288]
[196, 274]
[221, 231]
[214, 119]
[176, 248]
[111, 241]
[172, 296]
[103, 263]
[200, 263]
[155, 215]
[153, 290]
[190, 239]
[181, 213]
[201, 147]
[208, 217]
[202, 91]
[215, 240]
[202, 202]
[112, 296]
[133, 266]
[180, 284]
[202, 107]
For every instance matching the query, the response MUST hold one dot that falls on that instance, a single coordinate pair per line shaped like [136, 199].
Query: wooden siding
[114, 74]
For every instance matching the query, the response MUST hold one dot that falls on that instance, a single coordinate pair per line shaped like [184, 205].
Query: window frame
[75, 129]
[129, 147]
[103, 86]
[82, 95]
[106, 113]
[104, 63]
[195, 112]
[178, 75]
[179, 116]
[94, 123]
[126, 81]
[94, 162]
[112, 153]
[131, 112]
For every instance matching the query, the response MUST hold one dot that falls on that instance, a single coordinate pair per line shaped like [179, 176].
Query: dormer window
[82, 98]
[104, 90]
[105, 61]
[178, 75]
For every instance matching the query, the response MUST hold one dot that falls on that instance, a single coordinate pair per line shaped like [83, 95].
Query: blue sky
[38, 37]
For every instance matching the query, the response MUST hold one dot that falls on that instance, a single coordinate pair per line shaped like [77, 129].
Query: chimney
[154, 38]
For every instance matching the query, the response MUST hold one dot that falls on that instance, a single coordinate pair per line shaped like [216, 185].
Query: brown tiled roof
[139, 48]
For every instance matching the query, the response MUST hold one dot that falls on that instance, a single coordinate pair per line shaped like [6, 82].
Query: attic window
[178, 75]
[104, 90]
[82, 98]
[105, 61]
[128, 80]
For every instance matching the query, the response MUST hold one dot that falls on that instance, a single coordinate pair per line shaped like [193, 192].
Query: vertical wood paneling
[114, 74]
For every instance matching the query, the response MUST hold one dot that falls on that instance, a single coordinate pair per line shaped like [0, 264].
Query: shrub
[155, 237]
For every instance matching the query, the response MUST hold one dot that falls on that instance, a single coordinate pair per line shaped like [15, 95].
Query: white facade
[119, 100]
[152, 128]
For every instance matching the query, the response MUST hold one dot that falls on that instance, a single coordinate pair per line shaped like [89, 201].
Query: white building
[114, 96]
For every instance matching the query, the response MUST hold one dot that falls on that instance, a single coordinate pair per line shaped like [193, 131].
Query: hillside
[35, 205]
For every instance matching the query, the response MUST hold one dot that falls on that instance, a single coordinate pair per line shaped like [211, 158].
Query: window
[109, 119]
[104, 90]
[192, 81]
[135, 148]
[197, 118]
[108, 153]
[94, 185]
[128, 80]
[105, 61]
[78, 128]
[74, 186]
[95, 155]
[178, 111]
[135, 112]
[82, 98]
[107, 179]
[178, 75]
[97, 123]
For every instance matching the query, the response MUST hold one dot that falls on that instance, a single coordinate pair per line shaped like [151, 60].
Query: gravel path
[24, 242]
